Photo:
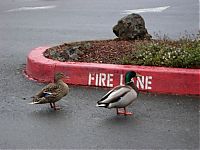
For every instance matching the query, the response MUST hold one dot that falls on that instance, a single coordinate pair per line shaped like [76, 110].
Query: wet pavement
[159, 121]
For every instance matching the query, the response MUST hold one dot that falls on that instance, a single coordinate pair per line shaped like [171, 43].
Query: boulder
[131, 27]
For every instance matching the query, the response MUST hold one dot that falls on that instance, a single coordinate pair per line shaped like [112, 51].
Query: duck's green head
[131, 74]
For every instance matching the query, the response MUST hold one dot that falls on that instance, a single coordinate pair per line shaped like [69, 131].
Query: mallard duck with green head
[53, 92]
[121, 96]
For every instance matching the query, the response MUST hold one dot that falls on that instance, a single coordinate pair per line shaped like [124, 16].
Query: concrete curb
[154, 79]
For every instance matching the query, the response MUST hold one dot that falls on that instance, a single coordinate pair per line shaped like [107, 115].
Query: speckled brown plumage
[53, 92]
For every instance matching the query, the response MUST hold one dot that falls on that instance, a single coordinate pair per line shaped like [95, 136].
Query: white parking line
[156, 9]
[31, 8]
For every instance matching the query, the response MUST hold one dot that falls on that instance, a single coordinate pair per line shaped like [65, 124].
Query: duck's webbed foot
[123, 112]
[54, 106]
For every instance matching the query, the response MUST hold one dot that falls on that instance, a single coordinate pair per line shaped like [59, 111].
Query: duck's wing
[114, 95]
[109, 92]
[51, 87]
[47, 90]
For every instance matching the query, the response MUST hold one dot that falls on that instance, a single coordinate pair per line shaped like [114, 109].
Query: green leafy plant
[183, 53]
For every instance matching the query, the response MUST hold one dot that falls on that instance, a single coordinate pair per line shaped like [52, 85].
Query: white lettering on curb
[148, 82]
[109, 80]
[90, 79]
[100, 79]
[96, 83]
[121, 79]
[106, 80]
[144, 82]
[140, 82]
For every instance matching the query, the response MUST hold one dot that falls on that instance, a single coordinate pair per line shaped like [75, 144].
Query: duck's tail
[105, 105]
[34, 103]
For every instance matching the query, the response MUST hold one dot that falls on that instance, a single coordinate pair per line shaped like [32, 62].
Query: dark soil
[100, 51]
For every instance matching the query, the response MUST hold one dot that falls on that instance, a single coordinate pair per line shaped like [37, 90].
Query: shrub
[183, 53]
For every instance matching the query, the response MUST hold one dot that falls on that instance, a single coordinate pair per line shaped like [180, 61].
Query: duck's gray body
[119, 97]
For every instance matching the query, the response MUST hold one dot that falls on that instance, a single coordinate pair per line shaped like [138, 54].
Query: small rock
[72, 53]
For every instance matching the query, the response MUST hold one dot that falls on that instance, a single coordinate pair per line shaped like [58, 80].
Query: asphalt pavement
[159, 121]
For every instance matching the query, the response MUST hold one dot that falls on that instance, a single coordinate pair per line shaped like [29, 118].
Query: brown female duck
[53, 92]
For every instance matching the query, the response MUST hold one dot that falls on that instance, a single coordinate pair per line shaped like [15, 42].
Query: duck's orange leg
[123, 112]
[127, 113]
[119, 112]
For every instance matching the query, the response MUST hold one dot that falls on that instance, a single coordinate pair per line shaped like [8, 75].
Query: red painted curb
[154, 79]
